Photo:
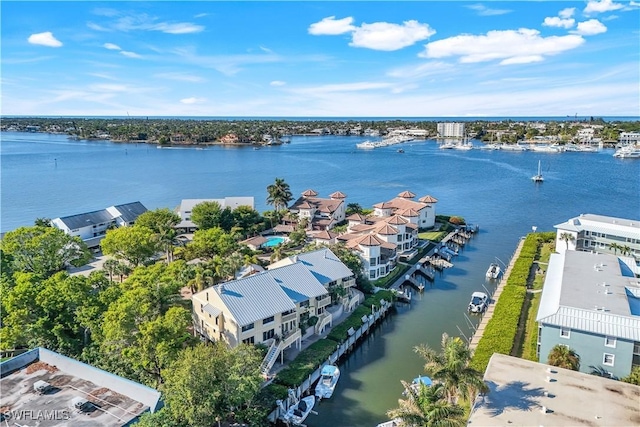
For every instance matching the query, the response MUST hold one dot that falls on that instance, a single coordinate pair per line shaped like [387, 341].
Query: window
[268, 334]
[248, 327]
[372, 274]
[372, 261]
[608, 359]
[610, 342]
[201, 308]
[249, 340]
[565, 333]
[267, 320]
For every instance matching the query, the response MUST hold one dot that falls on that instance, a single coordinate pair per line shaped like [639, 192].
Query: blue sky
[366, 59]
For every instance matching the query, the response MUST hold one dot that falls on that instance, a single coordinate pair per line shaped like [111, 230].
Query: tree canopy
[210, 214]
[43, 250]
[137, 245]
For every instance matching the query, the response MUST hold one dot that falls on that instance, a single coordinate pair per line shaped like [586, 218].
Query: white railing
[325, 319]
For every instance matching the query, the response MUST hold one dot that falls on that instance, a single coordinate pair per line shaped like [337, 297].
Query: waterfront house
[422, 213]
[526, 393]
[322, 213]
[591, 303]
[599, 233]
[91, 227]
[186, 206]
[276, 307]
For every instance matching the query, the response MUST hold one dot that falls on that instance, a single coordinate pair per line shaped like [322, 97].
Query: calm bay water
[50, 176]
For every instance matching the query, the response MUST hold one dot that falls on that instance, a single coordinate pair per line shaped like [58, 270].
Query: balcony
[324, 301]
[289, 317]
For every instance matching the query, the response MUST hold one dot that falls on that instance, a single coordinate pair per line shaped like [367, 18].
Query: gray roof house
[591, 303]
[92, 226]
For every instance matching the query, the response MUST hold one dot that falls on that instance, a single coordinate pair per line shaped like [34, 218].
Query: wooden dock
[488, 314]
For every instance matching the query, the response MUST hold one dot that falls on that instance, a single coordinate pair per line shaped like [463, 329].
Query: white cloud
[111, 46]
[342, 87]
[182, 77]
[179, 28]
[192, 100]
[277, 83]
[486, 11]
[44, 39]
[590, 28]
[389, 37]
[331, 26]
[510, 46]
[595, 6]
[554, 21]
[201, 15]
[567, 13]
[431, 68]
[130, 54]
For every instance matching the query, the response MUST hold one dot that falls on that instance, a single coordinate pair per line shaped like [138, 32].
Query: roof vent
[607, 292]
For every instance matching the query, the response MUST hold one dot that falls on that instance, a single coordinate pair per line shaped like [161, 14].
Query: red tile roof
[407, 195]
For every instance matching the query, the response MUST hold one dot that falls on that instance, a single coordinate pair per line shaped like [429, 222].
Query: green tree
[615, 247]
[634, 376]
[451, 368]
[42, 222]
[353, 208]
[210, 214]
[427, 407]
[43, 250]
[247, 220]
[279, 194]
[208, 383]
[111, 267]
[211, 242]
[202, 278]
[563, 357]
[136, 245]
[162, 222]
[567, 237]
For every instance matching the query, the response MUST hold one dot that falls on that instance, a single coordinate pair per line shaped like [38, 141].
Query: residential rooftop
[113, 400]
[603, 224]
[526, 393]
[591, 292]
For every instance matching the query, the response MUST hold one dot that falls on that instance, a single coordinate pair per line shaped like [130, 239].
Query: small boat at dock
[494, 271]
[300, 411]
[328, 379]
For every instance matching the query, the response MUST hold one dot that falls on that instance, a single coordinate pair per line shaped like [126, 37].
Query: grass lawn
[434, 236]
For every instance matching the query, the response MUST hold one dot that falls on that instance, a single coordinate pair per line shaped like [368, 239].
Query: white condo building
[451, 130]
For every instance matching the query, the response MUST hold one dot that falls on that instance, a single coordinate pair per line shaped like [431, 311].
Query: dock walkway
[494, 299]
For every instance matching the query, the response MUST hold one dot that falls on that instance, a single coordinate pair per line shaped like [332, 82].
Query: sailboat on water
[538, 177]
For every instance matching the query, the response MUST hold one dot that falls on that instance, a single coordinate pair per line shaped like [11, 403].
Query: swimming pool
[274, 241]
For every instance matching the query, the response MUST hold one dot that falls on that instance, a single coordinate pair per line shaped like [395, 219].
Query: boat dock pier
[354, 336]
[488, 314]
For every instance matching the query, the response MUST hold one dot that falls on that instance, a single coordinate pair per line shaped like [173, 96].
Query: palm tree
[615, 247]
[279, 194]
[202, 278]
[563, 357]
[626, 250]
[451, 369]
[426, 406]
[567, 237]
[111, 267]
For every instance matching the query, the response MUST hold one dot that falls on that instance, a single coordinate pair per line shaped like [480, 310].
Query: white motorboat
[367, 145]
[544, 148]
[513, 147]
[328, 379]
[300, 411]
[628, 152]
[538, 177]
[447, 145]
[463, 146]
[494, 271]
[490, 147]
[479, 302]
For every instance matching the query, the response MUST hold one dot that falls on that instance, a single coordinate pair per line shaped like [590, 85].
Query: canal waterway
[50, 176]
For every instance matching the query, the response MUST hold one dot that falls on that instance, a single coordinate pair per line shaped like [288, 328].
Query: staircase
[325, 319]
[271, 357]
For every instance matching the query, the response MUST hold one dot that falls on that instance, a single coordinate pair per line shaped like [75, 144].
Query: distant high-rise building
[451, 130]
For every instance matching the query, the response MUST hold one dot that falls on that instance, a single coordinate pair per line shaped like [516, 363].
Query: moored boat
[328, 379]
[479, 302]
[300, 411]
[494, 271]
[367, 145]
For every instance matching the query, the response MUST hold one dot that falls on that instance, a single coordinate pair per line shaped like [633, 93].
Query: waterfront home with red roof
[322, 213]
